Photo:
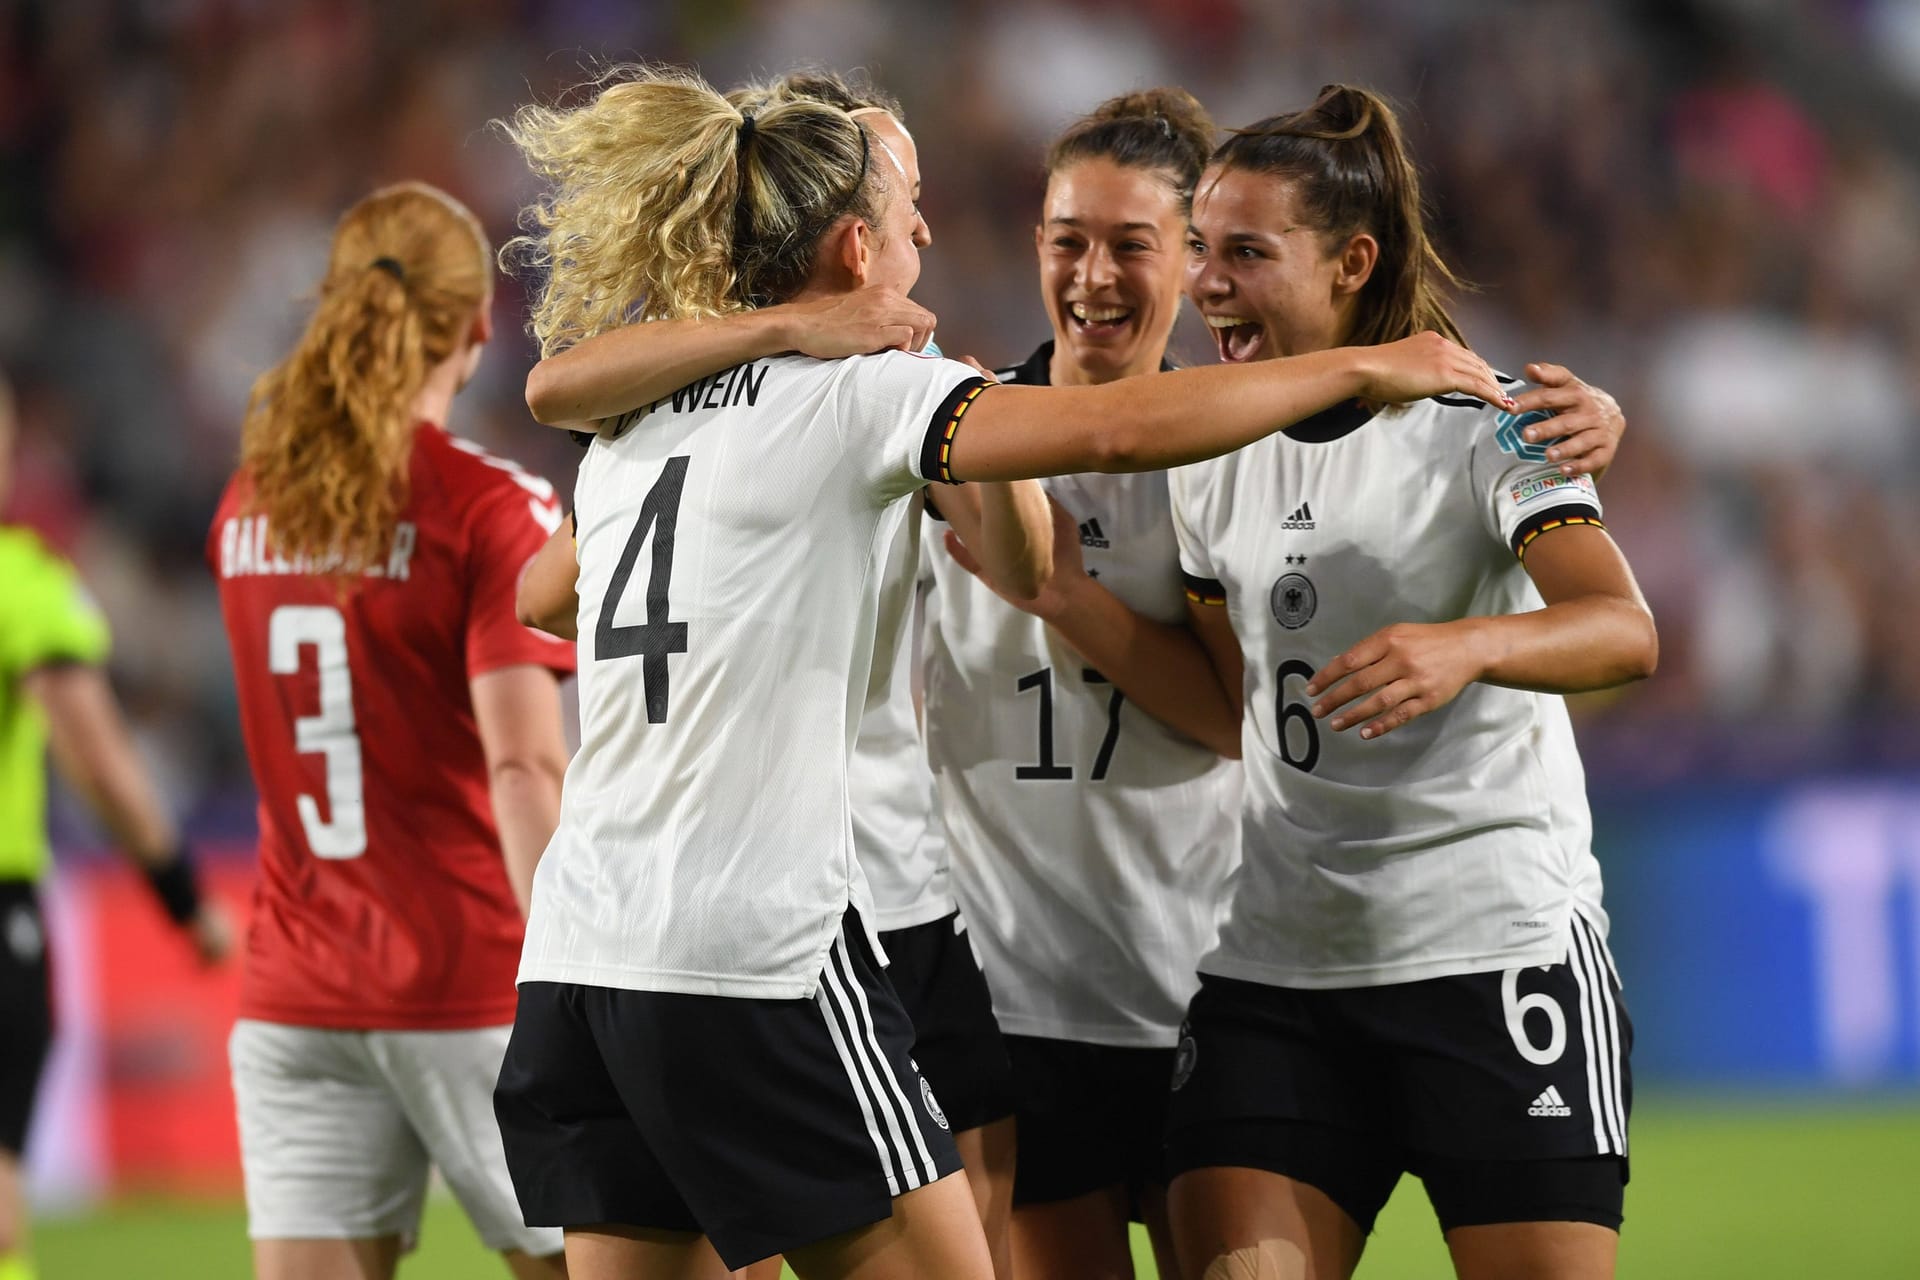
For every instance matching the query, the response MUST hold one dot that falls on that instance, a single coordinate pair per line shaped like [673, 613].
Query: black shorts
[957, 1043]
[1090, 1116]
[26, 1010]
[765, 1124]
[1506, 1093]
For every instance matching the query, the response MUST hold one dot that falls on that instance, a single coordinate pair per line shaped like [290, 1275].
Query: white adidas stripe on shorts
[891, 1123]
[1600, 1033]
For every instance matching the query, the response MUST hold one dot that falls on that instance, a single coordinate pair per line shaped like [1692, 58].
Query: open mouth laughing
[1099, 321]
[1238, 338]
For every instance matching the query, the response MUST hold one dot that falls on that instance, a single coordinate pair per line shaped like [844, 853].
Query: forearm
[1591, 642]
[94, 752]
[526, 809]
[1147, 424]
[1164, 670]
[622, 369]
[1008, 526]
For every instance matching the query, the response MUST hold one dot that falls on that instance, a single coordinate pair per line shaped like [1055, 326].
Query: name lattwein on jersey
[1540, 486]
[738, 385]
[245, 552]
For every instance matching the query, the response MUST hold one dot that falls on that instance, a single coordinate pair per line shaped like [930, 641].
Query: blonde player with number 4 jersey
[706, 1044]
[1413, 973]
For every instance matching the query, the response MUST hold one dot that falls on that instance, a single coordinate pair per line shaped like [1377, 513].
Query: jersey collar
[1331, 424]
[1037, 370]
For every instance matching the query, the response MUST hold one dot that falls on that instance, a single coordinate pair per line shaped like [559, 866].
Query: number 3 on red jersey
[291, 628]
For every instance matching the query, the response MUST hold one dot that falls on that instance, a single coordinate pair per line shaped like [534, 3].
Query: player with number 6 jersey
[1412, 975]
[404, 733]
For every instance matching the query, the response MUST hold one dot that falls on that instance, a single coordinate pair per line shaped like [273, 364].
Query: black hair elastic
[745, 134]
[392, 267]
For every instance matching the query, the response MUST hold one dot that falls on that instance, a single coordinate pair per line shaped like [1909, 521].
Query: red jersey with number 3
[383, 901]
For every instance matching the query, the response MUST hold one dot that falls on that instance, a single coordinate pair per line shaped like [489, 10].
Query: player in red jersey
[404, 731]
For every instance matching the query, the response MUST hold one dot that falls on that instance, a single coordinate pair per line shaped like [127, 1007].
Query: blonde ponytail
[666, 200]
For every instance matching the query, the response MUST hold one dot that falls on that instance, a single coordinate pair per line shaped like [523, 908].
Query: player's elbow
[1633, 650]
[1643, 656]
[519, 770]
[544, 395]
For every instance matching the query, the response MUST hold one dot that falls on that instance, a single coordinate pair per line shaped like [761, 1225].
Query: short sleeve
[48, 616]
[1520, 494]
[900, 412]
[506, 529]
[1197, 574]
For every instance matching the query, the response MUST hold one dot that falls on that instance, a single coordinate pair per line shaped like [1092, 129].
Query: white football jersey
[732, 539]
[897, 834]
[1458, 843]
[1090, 844]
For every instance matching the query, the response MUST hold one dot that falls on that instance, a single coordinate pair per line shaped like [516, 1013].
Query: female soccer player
[705, 1042]
[1090, 841]
[404, 732]
[896, 834]
[55, 698]
[1412, 975]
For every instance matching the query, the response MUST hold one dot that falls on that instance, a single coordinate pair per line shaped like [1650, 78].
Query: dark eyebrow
[1124, 226]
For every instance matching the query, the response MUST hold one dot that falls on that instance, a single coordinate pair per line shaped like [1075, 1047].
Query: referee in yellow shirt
[54, 693]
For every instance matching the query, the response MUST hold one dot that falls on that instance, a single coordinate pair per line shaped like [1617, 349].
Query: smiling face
[1267, 284]
[1111, 267]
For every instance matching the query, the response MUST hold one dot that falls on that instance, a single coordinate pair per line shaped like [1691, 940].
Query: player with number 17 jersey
[383, 901]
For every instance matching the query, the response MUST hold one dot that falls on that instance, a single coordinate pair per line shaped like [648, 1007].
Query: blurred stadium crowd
[1679, 212]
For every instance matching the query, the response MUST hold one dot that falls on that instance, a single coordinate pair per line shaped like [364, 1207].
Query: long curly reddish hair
[329, 430]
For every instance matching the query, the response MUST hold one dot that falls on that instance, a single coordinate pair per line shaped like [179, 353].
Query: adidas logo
[1550, 1103]
[1302, 518]
[1090, 535]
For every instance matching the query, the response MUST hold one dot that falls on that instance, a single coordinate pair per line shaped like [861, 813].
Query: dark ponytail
[1350, 168]
[1163, 130]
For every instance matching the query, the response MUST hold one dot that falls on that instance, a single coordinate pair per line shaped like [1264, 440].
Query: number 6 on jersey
[659, 636]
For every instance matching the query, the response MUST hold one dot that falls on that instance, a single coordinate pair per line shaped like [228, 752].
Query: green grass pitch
[1720, 1189]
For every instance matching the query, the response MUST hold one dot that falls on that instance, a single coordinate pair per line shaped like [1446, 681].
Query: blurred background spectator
[1694, 204]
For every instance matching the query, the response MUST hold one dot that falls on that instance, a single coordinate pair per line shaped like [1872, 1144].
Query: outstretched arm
[618, 371]
[94, 752]
[1171, 419]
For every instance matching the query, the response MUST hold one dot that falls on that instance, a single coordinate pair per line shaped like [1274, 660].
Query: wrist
[1069, 596]
[777, 328]
[1481, 642]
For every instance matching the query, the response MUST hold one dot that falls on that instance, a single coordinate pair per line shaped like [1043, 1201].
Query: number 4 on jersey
[659, 636]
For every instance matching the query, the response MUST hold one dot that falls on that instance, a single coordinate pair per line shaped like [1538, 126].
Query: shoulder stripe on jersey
[936, 455]
[1204, 590]
[1553, 518]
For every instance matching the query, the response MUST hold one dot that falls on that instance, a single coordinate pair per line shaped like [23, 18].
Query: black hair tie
[745, 134]
[392, 267]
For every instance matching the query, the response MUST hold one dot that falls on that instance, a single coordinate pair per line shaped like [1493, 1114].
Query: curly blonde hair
[329, 430]
[663, 203]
